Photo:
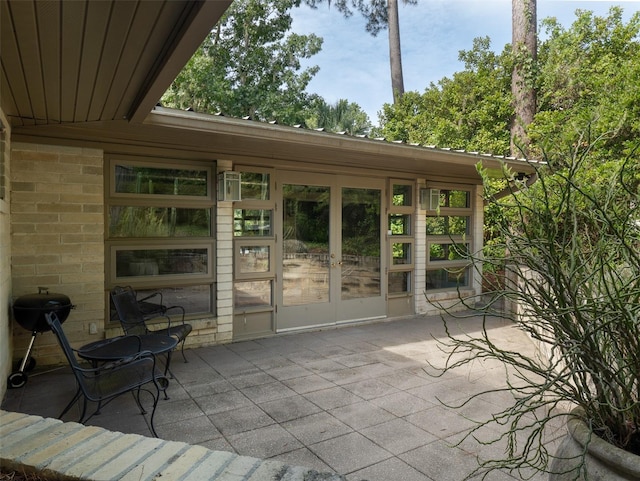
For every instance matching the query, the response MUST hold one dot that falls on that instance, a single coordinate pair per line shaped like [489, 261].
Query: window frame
[269, 241]
[252, 242]
[407, 238]
[458, 239]
[115, 244]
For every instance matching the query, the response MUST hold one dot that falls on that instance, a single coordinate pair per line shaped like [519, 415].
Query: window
[448, 229]
[252, 222]
[401, 240]
[160, 235]
[254, 243]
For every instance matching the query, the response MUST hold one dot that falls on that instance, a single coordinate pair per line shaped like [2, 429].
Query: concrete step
[74, 451]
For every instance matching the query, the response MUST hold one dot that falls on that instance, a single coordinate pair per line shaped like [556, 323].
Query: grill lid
[29, 310]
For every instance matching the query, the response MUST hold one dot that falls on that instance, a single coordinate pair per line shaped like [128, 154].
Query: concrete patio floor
[354, 400]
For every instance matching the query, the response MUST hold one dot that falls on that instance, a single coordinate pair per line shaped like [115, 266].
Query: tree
[249, 66]
[380, 14]
[589, 81]
[470, 111]
[395, 52]
[339, 117]
[524, 45]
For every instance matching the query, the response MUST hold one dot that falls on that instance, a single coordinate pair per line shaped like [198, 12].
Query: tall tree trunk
[525, 51]
[395, 56]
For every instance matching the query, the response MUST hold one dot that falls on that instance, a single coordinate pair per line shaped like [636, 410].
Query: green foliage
[587, 78]
[471, 111]
[339, 117]
[249, 66]
[588, 87]
[589, 81]
[574, 273]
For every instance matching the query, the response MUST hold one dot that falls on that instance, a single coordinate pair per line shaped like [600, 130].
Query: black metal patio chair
[133, 314]
[103, 384]
[151, 304]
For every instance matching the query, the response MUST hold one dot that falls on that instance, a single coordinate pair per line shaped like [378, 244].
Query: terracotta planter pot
[604, 461]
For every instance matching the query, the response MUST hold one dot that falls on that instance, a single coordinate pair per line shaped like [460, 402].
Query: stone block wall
[5, 257]
[57, 238]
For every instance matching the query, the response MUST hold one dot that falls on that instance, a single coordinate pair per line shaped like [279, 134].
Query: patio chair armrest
[151, 296]
[182, 311]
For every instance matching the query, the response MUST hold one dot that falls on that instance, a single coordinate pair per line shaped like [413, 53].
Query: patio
[354, 400]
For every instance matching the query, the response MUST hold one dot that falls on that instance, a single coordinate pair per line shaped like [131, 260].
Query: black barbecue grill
[29, 311]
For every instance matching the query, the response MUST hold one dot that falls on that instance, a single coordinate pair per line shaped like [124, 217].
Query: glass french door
[330, 251]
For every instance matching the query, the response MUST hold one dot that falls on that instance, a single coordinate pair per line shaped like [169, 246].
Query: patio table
[117, 348]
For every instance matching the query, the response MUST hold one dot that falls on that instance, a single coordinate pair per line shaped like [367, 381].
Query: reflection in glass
[194, 299]
[399, 282]
[458, 199]
[253, 259]
[400, 224]
[252, 223]
[448, 252]
[447, 278]
[447, 225]
[252, 294]
[401, 253]
[134, 179]
[128, 221]
[402, 195]
[360, 243]
[305, 260]
[160, 262]
[255, 186]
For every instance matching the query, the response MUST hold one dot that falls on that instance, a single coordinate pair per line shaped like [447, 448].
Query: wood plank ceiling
[95, 60]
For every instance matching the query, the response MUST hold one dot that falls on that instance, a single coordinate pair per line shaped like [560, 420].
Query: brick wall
[57, 238]
[224, 261]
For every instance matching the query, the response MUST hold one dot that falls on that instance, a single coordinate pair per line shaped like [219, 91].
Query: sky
[354, 65]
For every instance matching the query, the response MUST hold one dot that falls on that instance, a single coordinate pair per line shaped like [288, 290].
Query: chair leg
[156, 398]
[82, 420]
[136, 396]
[74, 400]
[182, 351]
[167, 365]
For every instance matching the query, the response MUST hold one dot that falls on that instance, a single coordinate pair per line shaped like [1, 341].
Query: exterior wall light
[229, 186]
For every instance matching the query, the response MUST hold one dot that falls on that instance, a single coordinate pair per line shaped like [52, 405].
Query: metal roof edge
[200, 121]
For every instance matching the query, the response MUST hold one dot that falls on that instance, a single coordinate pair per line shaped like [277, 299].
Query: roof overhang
[194, 135]
[90, 72]
[67, 61]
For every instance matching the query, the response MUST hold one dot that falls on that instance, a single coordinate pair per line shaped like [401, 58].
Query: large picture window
[448, 231]
[159, 233]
